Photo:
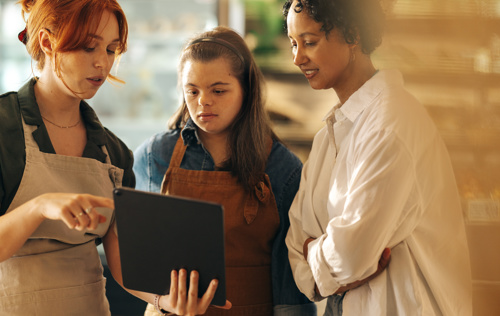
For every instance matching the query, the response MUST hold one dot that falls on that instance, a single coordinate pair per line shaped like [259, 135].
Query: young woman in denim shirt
[220, 147]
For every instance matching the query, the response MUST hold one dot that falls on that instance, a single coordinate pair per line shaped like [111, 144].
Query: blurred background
[447, 50]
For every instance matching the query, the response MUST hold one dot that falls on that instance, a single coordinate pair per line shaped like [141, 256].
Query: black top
[12, 146]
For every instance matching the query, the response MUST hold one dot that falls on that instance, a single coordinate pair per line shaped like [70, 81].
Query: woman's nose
[102, 60]
[298, 57]
[204, 100]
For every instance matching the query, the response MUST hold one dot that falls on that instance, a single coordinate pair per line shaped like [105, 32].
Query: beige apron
[58, 270]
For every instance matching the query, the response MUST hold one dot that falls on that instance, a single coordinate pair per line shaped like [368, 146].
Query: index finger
[99, 201]
[173, 287]
[206, 299]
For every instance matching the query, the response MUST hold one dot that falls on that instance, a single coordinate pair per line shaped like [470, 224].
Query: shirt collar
[95, 131]
[28, 105]
[330, 114]
[96, 136]
[189, 133]
[365, 95]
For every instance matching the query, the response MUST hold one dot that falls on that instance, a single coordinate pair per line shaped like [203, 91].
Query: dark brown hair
[250, 134]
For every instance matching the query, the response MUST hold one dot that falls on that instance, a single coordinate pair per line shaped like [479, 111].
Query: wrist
[36, 209]
[158, 308]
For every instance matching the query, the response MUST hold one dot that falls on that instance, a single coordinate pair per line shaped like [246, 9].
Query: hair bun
[27, 5]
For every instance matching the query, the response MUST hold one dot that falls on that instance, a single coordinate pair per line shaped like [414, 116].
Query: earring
[23, 36]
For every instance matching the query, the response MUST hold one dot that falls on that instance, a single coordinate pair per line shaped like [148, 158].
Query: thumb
[227, 306]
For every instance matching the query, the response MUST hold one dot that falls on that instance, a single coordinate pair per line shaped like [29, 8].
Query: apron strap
[261, 194]
[29, 140]
[178, 153]
[175, 162]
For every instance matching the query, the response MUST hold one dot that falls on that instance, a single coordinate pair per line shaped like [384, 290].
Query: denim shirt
[152, 160]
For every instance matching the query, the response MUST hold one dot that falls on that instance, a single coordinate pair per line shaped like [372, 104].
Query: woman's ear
[44, 39]
[354, 34]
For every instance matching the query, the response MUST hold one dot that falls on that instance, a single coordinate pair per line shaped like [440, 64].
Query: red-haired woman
[58, 166]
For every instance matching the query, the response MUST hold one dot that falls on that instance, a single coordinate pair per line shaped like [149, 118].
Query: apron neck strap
[178, 153]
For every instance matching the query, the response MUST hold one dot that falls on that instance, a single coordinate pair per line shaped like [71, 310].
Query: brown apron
[251, 221]
[58, 270]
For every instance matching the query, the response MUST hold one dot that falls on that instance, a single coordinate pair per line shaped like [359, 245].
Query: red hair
[70, 23]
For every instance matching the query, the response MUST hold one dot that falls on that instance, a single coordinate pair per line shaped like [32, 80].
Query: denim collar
[189, 133]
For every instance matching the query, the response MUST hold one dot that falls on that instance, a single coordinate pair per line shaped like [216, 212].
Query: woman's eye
[219, 91]
[111, 50]
[310, 43]
[89, 49]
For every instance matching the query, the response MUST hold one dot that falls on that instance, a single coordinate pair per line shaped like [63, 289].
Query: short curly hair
[359, 21]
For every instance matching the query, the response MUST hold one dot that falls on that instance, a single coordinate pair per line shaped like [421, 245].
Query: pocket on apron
[67, 280]
[83, 300]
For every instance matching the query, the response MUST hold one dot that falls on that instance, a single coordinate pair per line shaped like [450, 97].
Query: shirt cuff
[321, 271]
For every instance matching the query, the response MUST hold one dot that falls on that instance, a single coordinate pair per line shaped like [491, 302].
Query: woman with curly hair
[378, 176]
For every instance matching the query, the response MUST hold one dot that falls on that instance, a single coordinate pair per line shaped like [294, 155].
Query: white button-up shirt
[378, 176]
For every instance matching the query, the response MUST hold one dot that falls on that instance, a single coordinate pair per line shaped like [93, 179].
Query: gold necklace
[69, 126]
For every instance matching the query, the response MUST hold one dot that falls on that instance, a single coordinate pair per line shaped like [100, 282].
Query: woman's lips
[310, 73]
[206, 116]
[96, 81]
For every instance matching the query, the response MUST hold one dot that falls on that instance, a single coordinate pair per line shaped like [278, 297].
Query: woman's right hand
[75, 210]
[183, 302]
[19, 224]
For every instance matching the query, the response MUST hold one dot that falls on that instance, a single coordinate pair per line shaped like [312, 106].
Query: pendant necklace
[60, 126]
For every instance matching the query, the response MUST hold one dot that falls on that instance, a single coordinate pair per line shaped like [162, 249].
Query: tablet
[160, 233]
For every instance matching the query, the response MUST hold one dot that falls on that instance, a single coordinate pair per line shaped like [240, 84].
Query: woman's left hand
[183, 302]
[385, 258]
